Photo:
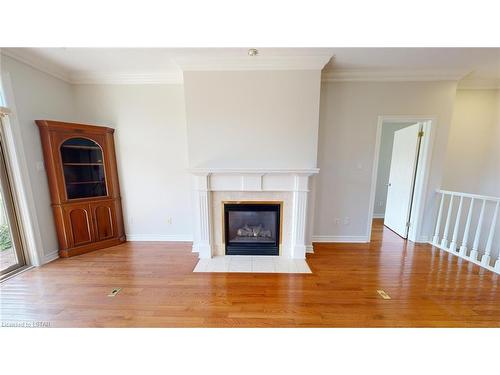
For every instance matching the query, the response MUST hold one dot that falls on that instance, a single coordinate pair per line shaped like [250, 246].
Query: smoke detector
[253, 52]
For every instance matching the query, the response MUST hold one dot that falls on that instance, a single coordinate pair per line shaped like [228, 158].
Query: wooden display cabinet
[81, 168]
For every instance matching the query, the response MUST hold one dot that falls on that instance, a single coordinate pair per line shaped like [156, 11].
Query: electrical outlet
[169, 221]
[337, 221]
[39, 166]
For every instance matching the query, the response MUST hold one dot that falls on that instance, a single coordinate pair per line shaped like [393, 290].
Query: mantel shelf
[256, 171]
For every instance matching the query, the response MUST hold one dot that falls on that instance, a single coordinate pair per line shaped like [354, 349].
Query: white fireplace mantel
[250, 181]
[207, 171]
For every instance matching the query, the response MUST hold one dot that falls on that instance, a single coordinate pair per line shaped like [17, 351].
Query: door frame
[11, 216]
[422, 175]
[24, 196]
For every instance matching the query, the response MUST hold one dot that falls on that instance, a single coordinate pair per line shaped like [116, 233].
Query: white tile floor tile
[264, 267]
[240, 267]
[257, 264]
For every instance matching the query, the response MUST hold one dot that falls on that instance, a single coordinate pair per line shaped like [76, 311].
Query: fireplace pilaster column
[202, 240]
[300, 195]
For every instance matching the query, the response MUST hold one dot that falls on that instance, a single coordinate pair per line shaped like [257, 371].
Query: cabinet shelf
[85, 182]
[84, 164]
[81, 147]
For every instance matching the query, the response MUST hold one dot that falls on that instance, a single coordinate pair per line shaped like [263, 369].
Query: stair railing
[479, 252]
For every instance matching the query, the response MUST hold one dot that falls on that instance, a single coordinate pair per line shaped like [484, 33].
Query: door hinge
[408, 224]
[420, 133]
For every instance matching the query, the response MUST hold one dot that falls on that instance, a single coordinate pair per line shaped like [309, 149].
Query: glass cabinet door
[83, 167]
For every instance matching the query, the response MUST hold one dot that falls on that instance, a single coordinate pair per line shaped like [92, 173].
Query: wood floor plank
[428, 288]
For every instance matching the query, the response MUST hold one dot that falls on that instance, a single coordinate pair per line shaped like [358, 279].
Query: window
[3, 103]
[12, 256]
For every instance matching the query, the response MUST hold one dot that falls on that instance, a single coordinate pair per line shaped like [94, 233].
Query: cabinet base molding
[66, 253]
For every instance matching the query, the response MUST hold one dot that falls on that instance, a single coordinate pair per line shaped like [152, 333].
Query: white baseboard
[160, 237]
[423, 239]
[53, 255]
[378, 216]
[309, 249]
[342, 239]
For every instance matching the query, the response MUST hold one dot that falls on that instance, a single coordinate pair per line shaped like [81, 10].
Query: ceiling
[473, 66]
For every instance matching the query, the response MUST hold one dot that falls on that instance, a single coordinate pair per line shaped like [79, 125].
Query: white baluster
[453, 244]
[463, 248]
[435, 239]
[485, 260]
[444, 241]
[474, 253]
[497, 263]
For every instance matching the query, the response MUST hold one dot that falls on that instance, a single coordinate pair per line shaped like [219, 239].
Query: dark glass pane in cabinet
[82, 142]
[76, 155]
[86, 190]
[80, 173]
[83, 168]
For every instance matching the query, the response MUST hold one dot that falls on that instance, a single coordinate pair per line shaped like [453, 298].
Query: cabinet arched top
[82, 142]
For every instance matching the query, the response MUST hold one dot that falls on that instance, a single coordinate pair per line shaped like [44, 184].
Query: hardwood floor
[429, 288]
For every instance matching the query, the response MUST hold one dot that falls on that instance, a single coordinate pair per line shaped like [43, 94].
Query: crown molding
[479, 84]
[97, 78]
[315, 62]
[24, 56]
[392, 75]
[111, 78]
[311, 62]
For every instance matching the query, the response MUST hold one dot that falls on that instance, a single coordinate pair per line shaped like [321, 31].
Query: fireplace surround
[214, 186]
[252, 228]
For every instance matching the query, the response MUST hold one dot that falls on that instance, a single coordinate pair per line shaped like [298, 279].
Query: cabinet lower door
[79, 222]
[104, 215]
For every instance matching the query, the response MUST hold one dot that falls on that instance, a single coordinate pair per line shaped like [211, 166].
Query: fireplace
[252, 228]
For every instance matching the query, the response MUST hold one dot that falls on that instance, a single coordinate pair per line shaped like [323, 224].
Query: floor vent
[114, 292]
[383, 294]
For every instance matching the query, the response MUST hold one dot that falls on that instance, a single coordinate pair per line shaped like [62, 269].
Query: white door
[401, 179]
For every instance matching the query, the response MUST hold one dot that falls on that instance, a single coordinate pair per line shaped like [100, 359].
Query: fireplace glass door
[252, 229]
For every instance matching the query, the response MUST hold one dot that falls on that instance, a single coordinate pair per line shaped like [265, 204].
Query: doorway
[12, 256]
[400, 171]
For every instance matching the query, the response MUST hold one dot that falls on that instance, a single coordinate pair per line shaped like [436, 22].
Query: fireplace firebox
[252, 228]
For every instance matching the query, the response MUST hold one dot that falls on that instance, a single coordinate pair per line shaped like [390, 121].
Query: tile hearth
[253, 264]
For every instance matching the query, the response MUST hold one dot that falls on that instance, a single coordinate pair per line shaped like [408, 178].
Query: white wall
[151, 149]
[348, 124]
[38, 96]
[473, 154]
[150, 141]
[491, 177]
[253, 119]
[384, 166]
